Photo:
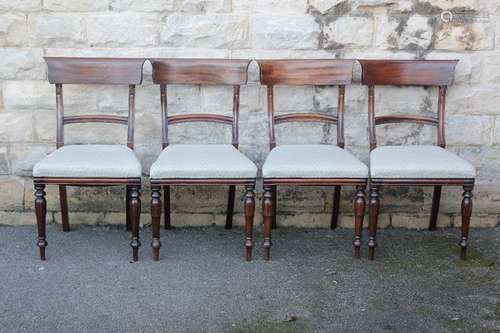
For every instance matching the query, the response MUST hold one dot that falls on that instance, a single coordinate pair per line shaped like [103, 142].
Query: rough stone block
[415, 35]
[16, 127]
[419, 221]
[13, 29]
[184, 6]
[40, 95]
[204, 6]
[299, 32]
[59, 30]
[468, 36]
[491, 68]
[12, 193]
[15, 218]
[214, 31]
[325, 6]
[359, 34]
[23, 156]
[269, 7]
[22, 64]
[20, 5]
[115, 29]
[143, 6]
[479, 130]
[75, 5]
[478, 221]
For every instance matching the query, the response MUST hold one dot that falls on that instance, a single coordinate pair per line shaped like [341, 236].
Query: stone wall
[406, 29]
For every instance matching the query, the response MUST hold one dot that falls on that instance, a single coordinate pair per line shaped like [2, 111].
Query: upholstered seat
[202, 161]
[418, 162]
[88, 161]
[312, 161]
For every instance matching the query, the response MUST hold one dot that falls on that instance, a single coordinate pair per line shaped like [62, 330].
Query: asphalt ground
[202, 284]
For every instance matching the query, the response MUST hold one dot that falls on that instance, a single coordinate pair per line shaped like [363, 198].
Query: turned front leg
[249, 216]
[268, 220]
[373, 210]
[359, 213]
[135, 212]
[41, 212]
[466, 214]
[155, 221]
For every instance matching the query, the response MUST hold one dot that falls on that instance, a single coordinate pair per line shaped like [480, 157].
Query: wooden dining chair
[415, 165]
[201, 164]
[95, 165]
[318, 165]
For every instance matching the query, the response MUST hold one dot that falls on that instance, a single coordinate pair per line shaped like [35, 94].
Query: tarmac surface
[202, 284]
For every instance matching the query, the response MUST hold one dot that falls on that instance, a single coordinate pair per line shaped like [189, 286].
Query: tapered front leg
[155, 221]
[135, 212]
[268, 221]
[249, 216]
[373, 220]
[359, 213]
[466, 214]
[41, 212]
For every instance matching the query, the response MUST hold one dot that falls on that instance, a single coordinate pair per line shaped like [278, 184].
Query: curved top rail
[73, 70]
[200, 71]
[408, 72]
[306, 72]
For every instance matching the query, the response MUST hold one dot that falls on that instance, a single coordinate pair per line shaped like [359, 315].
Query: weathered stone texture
[13, 29]
[20, 5]
[217, 31]
[269, 7]
[21, 64]
[75, 5]
[57, 30]
[122, 29]
[260, 29]
[470, 36]
[359, 34]
[299, 32]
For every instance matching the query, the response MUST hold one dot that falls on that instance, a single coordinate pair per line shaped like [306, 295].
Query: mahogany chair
[201, 164]
[318, 165]
[421, 165]
[95, 165]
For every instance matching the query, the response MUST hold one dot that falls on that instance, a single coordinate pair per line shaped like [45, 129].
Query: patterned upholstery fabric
[202, 161]
[312, 161]
[83, 161]
[418, 162]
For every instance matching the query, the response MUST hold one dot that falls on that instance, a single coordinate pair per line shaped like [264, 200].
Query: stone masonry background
[407, 29]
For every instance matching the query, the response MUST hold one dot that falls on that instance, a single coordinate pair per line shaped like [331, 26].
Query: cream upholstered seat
[418, 162]
[87, 161]
[312, 161]
[219, 161]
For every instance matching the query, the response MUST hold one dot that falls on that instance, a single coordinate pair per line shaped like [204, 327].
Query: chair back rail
[306, 72]
[108, 71]
[320, 72]
[70, 70]
[200, 72]
[426, 73]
